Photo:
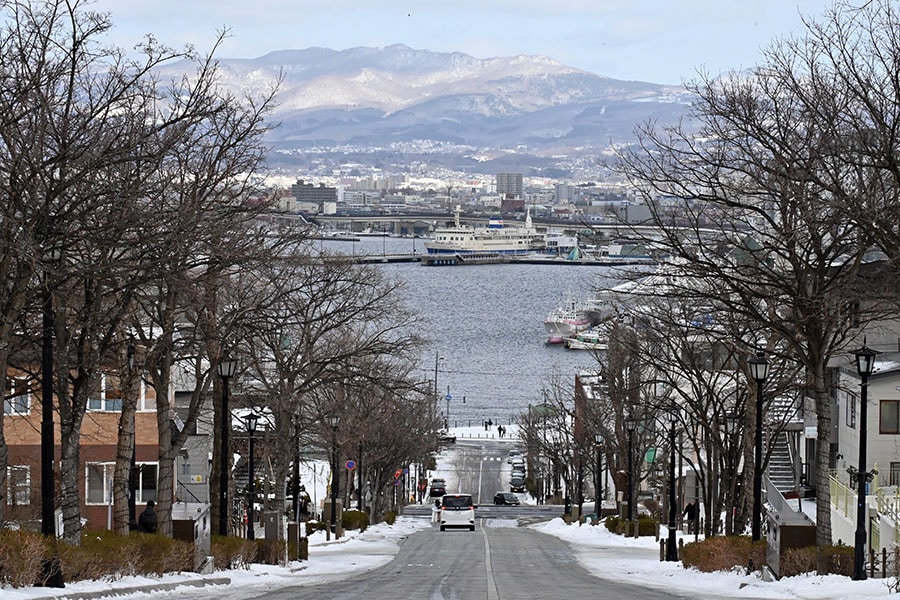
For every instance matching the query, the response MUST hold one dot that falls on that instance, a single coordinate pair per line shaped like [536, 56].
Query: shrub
[355, 519]
[21, 556]
[838, 560]
[646, 526]
[795, 561]
[613, 524]
[724, 553]
[232, 552]
[390, 517]
[269, 552]
[102, 555]
[314, 526]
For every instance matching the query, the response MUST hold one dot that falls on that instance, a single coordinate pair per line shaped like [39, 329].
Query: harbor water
[484, 326]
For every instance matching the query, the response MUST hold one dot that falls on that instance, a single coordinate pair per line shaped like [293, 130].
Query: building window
[895, 474]
[852, 399]
[19, 400]
[18, 485]
[889, 416]
[100, 482]
[108, 397]
[146, 483]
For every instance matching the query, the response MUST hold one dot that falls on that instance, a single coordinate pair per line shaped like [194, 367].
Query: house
[882, 428]
[99, 437]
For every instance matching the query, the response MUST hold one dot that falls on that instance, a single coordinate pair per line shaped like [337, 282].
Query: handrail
[842, 497]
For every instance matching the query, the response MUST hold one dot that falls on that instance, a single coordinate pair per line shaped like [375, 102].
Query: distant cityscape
[505, 193]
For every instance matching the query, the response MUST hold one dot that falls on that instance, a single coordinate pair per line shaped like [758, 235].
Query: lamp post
[48, 488]
[333, 421]
[133, 473]
[251, 477]
[759, 370]
[732, 419]
[671, 544]
[630, 424]
[598, 443]
[865, 365]
[226, 370]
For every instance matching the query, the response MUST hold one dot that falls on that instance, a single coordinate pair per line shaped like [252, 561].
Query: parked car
[517, 461]
[517, 483]
[512, 454]
[457, 510]
[506, 499]
[438, 488]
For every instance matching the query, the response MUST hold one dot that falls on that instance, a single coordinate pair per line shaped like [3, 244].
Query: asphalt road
[499, 561]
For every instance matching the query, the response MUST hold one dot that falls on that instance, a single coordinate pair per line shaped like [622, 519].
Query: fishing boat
[589, 339]
[495, 238]
[567, 319]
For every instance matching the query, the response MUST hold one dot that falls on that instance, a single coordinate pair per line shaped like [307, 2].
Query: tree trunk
[123, 516]
[823, 467]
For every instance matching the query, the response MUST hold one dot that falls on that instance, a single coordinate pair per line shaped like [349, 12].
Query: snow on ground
[599, 551]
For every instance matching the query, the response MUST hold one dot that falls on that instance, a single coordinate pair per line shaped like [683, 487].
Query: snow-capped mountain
[378, 96]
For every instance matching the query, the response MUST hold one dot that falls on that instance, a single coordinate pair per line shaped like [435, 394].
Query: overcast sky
[660, 41]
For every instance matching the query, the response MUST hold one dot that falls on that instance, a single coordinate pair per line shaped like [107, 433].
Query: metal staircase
[781, 469]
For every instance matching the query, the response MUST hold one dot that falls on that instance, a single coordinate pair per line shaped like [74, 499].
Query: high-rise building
[509, 185]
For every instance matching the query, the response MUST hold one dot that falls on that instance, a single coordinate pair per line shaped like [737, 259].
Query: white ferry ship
[495, 238]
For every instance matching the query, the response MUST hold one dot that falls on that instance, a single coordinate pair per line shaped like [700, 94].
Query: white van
[457, 510]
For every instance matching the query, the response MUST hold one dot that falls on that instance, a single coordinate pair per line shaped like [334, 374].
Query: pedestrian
[690, 512]
[147, 522]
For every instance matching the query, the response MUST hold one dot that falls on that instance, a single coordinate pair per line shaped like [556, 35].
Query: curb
[134, 589]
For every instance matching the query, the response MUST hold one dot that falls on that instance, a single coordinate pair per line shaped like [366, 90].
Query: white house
[882, 432]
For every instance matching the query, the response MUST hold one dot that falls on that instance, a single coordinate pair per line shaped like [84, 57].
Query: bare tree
[321, 324]
[761, 178]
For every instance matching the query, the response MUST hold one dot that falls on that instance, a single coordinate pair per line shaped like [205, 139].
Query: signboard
[351, 464]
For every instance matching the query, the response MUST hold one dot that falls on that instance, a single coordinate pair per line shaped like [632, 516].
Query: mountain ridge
[377, 97]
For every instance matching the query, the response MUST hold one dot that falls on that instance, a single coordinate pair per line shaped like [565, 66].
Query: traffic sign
[448, 397]
[350, 465]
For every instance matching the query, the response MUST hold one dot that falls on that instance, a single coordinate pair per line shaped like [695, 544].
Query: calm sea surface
[486, 321]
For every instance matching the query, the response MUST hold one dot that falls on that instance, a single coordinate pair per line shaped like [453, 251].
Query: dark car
[506, 498]
[446, 438]
[438, 488]
[517, 483]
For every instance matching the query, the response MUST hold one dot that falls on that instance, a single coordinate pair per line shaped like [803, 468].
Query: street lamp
[630, 424]
[333, 421]
[759, 370]
[598, 443]
[671, 544]
[226, 370]
[865, 365]
[130, 351]
[48, 489]
[251, 477]
[732, 420]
